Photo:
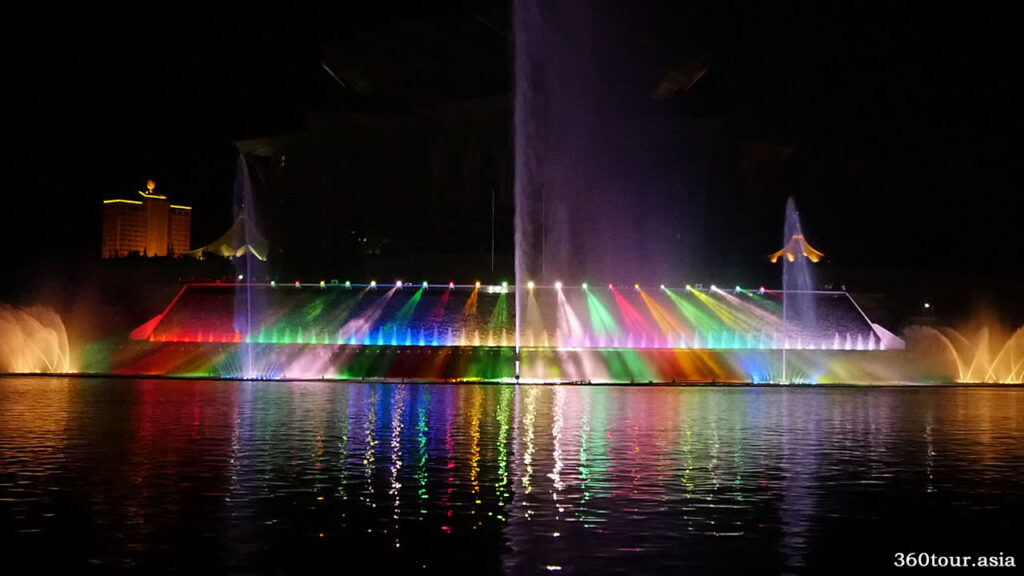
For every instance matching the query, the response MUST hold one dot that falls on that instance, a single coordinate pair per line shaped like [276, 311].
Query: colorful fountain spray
[32, 340]
[467, 331]
[982, 353]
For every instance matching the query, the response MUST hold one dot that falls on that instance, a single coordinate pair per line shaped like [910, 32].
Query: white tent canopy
[241, 238]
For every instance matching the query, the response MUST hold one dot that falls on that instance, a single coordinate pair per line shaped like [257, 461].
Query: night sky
[900, 123]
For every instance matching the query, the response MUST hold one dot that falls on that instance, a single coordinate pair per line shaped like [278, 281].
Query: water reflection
[282, 477]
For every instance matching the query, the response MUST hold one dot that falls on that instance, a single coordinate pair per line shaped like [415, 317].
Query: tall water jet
[248, 258]
[526, 160]
[799, 317]
[599, 187]
[32, 340]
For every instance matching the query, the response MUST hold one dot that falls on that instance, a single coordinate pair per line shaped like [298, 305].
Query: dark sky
[903, 120]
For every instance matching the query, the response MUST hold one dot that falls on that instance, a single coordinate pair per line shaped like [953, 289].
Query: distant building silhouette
[147, 226]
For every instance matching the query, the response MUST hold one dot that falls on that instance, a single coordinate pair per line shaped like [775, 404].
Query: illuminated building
[147, 226]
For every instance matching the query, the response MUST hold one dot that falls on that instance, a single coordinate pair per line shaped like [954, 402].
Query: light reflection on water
[170, 475]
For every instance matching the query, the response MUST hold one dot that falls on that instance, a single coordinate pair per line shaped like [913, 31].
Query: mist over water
[599, 187]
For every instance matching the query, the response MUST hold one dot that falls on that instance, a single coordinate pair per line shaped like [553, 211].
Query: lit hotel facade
[146, 226]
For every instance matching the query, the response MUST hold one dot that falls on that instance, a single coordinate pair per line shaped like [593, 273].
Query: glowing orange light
[797, 246]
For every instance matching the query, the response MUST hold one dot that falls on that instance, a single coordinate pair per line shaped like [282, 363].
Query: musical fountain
[588, 206]
[468, 331]
[525, 331]
[537, 333]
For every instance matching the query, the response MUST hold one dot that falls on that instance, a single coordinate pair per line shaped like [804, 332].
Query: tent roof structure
[240, 239]
[797, 246]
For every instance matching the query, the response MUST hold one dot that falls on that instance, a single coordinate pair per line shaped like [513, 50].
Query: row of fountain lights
[504, 286]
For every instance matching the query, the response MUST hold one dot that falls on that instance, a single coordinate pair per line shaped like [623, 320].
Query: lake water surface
[283, 477]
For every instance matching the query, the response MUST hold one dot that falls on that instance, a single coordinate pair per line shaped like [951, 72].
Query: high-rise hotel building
[147, 226]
